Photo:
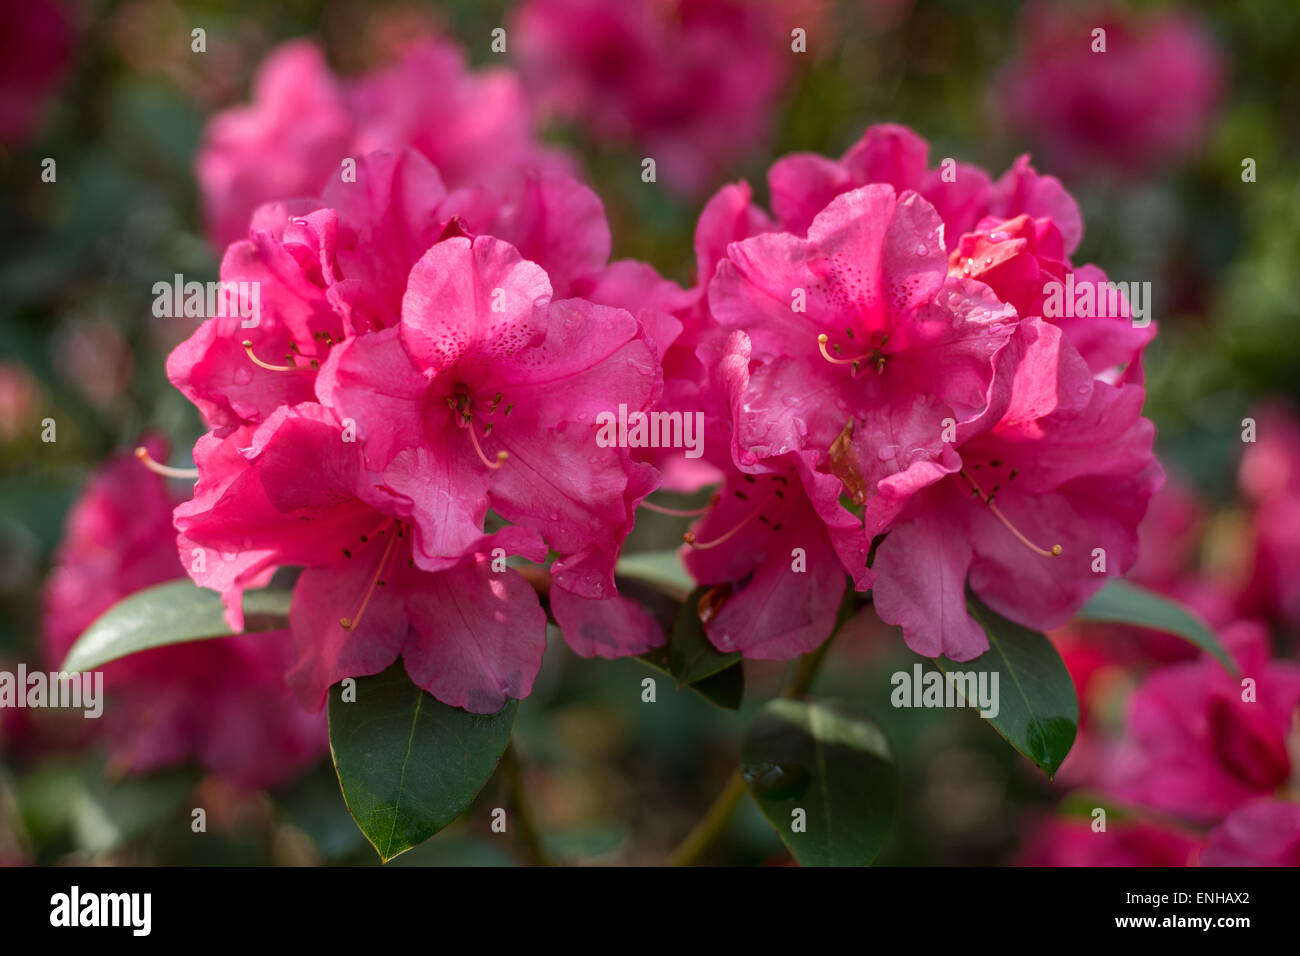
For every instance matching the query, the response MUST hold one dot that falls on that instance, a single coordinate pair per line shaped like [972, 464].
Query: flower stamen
[473, 437]
[348, 623]
[682, 512]
[167, 471]
[997, 513]
[875, 357]
[248, 347]
[689, 537]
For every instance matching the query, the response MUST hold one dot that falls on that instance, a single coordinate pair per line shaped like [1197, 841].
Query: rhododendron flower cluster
[417, 403]
[913, 370]
[434, 376]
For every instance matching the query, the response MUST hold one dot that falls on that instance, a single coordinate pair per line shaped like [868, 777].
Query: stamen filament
[821, 344]
[167, 471]
[248, 347]
[689, 537]
[348, 623]
[676, 512]
[997, 513]
[501, 455]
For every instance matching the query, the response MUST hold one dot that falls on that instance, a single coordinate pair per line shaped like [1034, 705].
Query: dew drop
[776, 780]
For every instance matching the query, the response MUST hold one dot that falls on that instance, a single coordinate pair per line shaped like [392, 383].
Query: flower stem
[711, 826]
[530, 840]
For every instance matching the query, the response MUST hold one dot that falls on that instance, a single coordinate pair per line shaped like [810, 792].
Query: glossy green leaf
[409, 764]
[691, 660]
[831, 762]
[664, 569]
[170, 613]
[1123, 603]
[1038, 712]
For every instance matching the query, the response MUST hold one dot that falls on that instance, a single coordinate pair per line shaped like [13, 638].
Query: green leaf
[661, 568]
[691, 660]
[1038, 712]
[170, 613]
[692, 656]
[409, 764]
[833, 763]
[1124, 603]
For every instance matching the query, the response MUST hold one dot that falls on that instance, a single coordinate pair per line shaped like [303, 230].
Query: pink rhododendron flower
[934, 393]
[860, 324]
[485, 396]
[1197, 749]
[348, 267]
[1147, 98]
[303, 122]
[802, 184]
[678, 323]
[1065, 485]
[329, 268]
[1062, 842]
[1266, 833]
[1015, 234]
[295, 492]
[292, 259]
[762, 545]
[223, 701]
[34, 52]
[912, 355]
[690, 82]
[1021, 259]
